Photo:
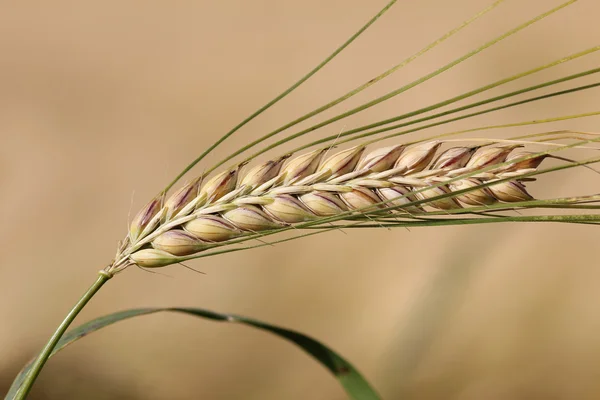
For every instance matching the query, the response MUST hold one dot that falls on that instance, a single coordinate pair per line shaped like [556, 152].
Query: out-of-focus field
[102, 102]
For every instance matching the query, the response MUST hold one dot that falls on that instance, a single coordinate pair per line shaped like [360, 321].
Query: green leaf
[353, 382]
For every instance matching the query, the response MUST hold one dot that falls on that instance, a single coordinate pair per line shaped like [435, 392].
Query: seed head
[212, 228]
[219, 185]
[381, 159]
[251, 218]
[447, 203]
[485, 156]
[510, 191]
[343, 162]
[273, 196]
[531, 163]
[153, 258]
[475, 197]
[302, 166]
[145, 217]
[323, 204]
[360, 198]
[454, 157]
[178, 243]
[286, 208]
[416, 158]
[263, 172]
[181, 198]
[394, 197]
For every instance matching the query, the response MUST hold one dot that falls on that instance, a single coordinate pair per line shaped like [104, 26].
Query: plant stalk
[46, 352]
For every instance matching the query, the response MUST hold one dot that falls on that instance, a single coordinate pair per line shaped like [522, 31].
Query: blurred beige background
[102, 102]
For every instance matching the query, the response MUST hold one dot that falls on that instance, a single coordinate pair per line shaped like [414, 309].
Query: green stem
[46, 352]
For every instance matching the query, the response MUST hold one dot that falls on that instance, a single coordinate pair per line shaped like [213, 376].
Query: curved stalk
[41, 359]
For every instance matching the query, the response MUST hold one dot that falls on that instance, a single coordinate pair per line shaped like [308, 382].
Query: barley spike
[282, 192]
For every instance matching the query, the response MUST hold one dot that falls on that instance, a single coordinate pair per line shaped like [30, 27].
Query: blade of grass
[351, 380]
